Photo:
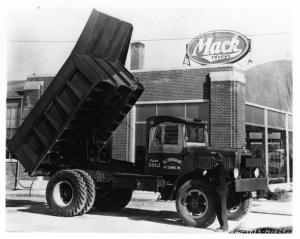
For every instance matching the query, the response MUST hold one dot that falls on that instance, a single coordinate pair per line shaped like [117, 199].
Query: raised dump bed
[91, 92]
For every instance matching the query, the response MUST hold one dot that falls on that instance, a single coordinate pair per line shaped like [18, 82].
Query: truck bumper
[251, 184]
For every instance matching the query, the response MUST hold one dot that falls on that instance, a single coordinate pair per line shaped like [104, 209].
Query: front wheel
[239, 211]
[195, 204]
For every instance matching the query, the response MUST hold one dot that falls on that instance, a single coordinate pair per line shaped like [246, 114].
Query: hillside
[271, 84]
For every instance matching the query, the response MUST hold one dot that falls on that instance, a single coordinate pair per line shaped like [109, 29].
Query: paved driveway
[143, 214]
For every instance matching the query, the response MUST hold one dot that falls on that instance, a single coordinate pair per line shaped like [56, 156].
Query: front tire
[239, 211]
[66, 193]
[195, 204]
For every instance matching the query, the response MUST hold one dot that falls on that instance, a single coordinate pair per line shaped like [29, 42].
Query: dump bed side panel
[92, 91]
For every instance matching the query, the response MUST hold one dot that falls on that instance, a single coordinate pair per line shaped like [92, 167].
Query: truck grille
[209, 162]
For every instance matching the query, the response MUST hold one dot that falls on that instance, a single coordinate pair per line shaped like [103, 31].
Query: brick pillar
[227, 109]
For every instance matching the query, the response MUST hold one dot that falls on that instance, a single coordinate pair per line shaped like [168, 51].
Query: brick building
[242, 108]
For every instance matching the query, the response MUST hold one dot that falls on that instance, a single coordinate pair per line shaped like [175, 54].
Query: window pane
[254, 115]
[144, 111]
[280, 120]
[195, 134]
[171, 134]
[197, 111]
[275, 119]
[290, 122]
[277, 155]
[258, 115]
[140, 134]
[14, 112]
[176, 110]
[157, 135]
[272, 119]
[13, 123]
[248, 114]
[256, 144]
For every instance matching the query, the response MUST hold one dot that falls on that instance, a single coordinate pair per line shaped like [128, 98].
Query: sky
[40, 38]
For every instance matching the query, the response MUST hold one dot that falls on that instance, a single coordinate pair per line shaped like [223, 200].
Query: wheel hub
[63, 193]
[195, 203]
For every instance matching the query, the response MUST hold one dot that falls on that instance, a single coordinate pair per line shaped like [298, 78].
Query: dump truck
[67, 138]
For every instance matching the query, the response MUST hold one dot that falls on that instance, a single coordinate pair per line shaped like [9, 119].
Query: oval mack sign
[217, 47]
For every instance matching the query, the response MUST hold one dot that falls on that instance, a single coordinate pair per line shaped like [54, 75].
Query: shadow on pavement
[22, 203]
[166, 217]
[31, 206]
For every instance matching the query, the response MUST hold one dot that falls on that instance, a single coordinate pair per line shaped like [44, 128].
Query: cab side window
[166, 138]
[155, 139]
[157, 135]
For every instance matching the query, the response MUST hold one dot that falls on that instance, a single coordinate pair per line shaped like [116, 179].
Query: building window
[254, 115]
[277, 156]
[276, 119]
[197, 111]
[290, 122]
[255, 140]
[145, 111]
[176, 110]
[13, 118]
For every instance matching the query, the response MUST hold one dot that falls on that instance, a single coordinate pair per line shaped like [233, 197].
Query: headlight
[256, 172]
[235, 173]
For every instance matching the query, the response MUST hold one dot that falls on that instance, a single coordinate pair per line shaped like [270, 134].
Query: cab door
[165, 149]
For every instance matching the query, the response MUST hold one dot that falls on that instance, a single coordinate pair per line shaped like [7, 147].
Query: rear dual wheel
[90, 190]
[70, 193]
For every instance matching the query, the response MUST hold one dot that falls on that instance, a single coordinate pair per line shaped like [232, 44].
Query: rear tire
[126, 195]
[66, 193]
[108, 200]
[195, 204]
[238, 212]
[90, 189]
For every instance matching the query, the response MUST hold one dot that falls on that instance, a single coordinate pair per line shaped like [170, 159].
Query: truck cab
[168, 143]
[178, 147]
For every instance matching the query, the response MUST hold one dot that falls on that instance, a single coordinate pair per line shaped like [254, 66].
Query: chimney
[137, 56]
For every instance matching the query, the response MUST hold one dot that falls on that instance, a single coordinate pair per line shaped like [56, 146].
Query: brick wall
[185, 84]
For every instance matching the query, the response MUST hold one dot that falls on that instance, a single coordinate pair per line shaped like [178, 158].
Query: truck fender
[194, 174]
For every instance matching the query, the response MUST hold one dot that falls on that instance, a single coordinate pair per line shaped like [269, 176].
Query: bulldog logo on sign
[218, 47]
